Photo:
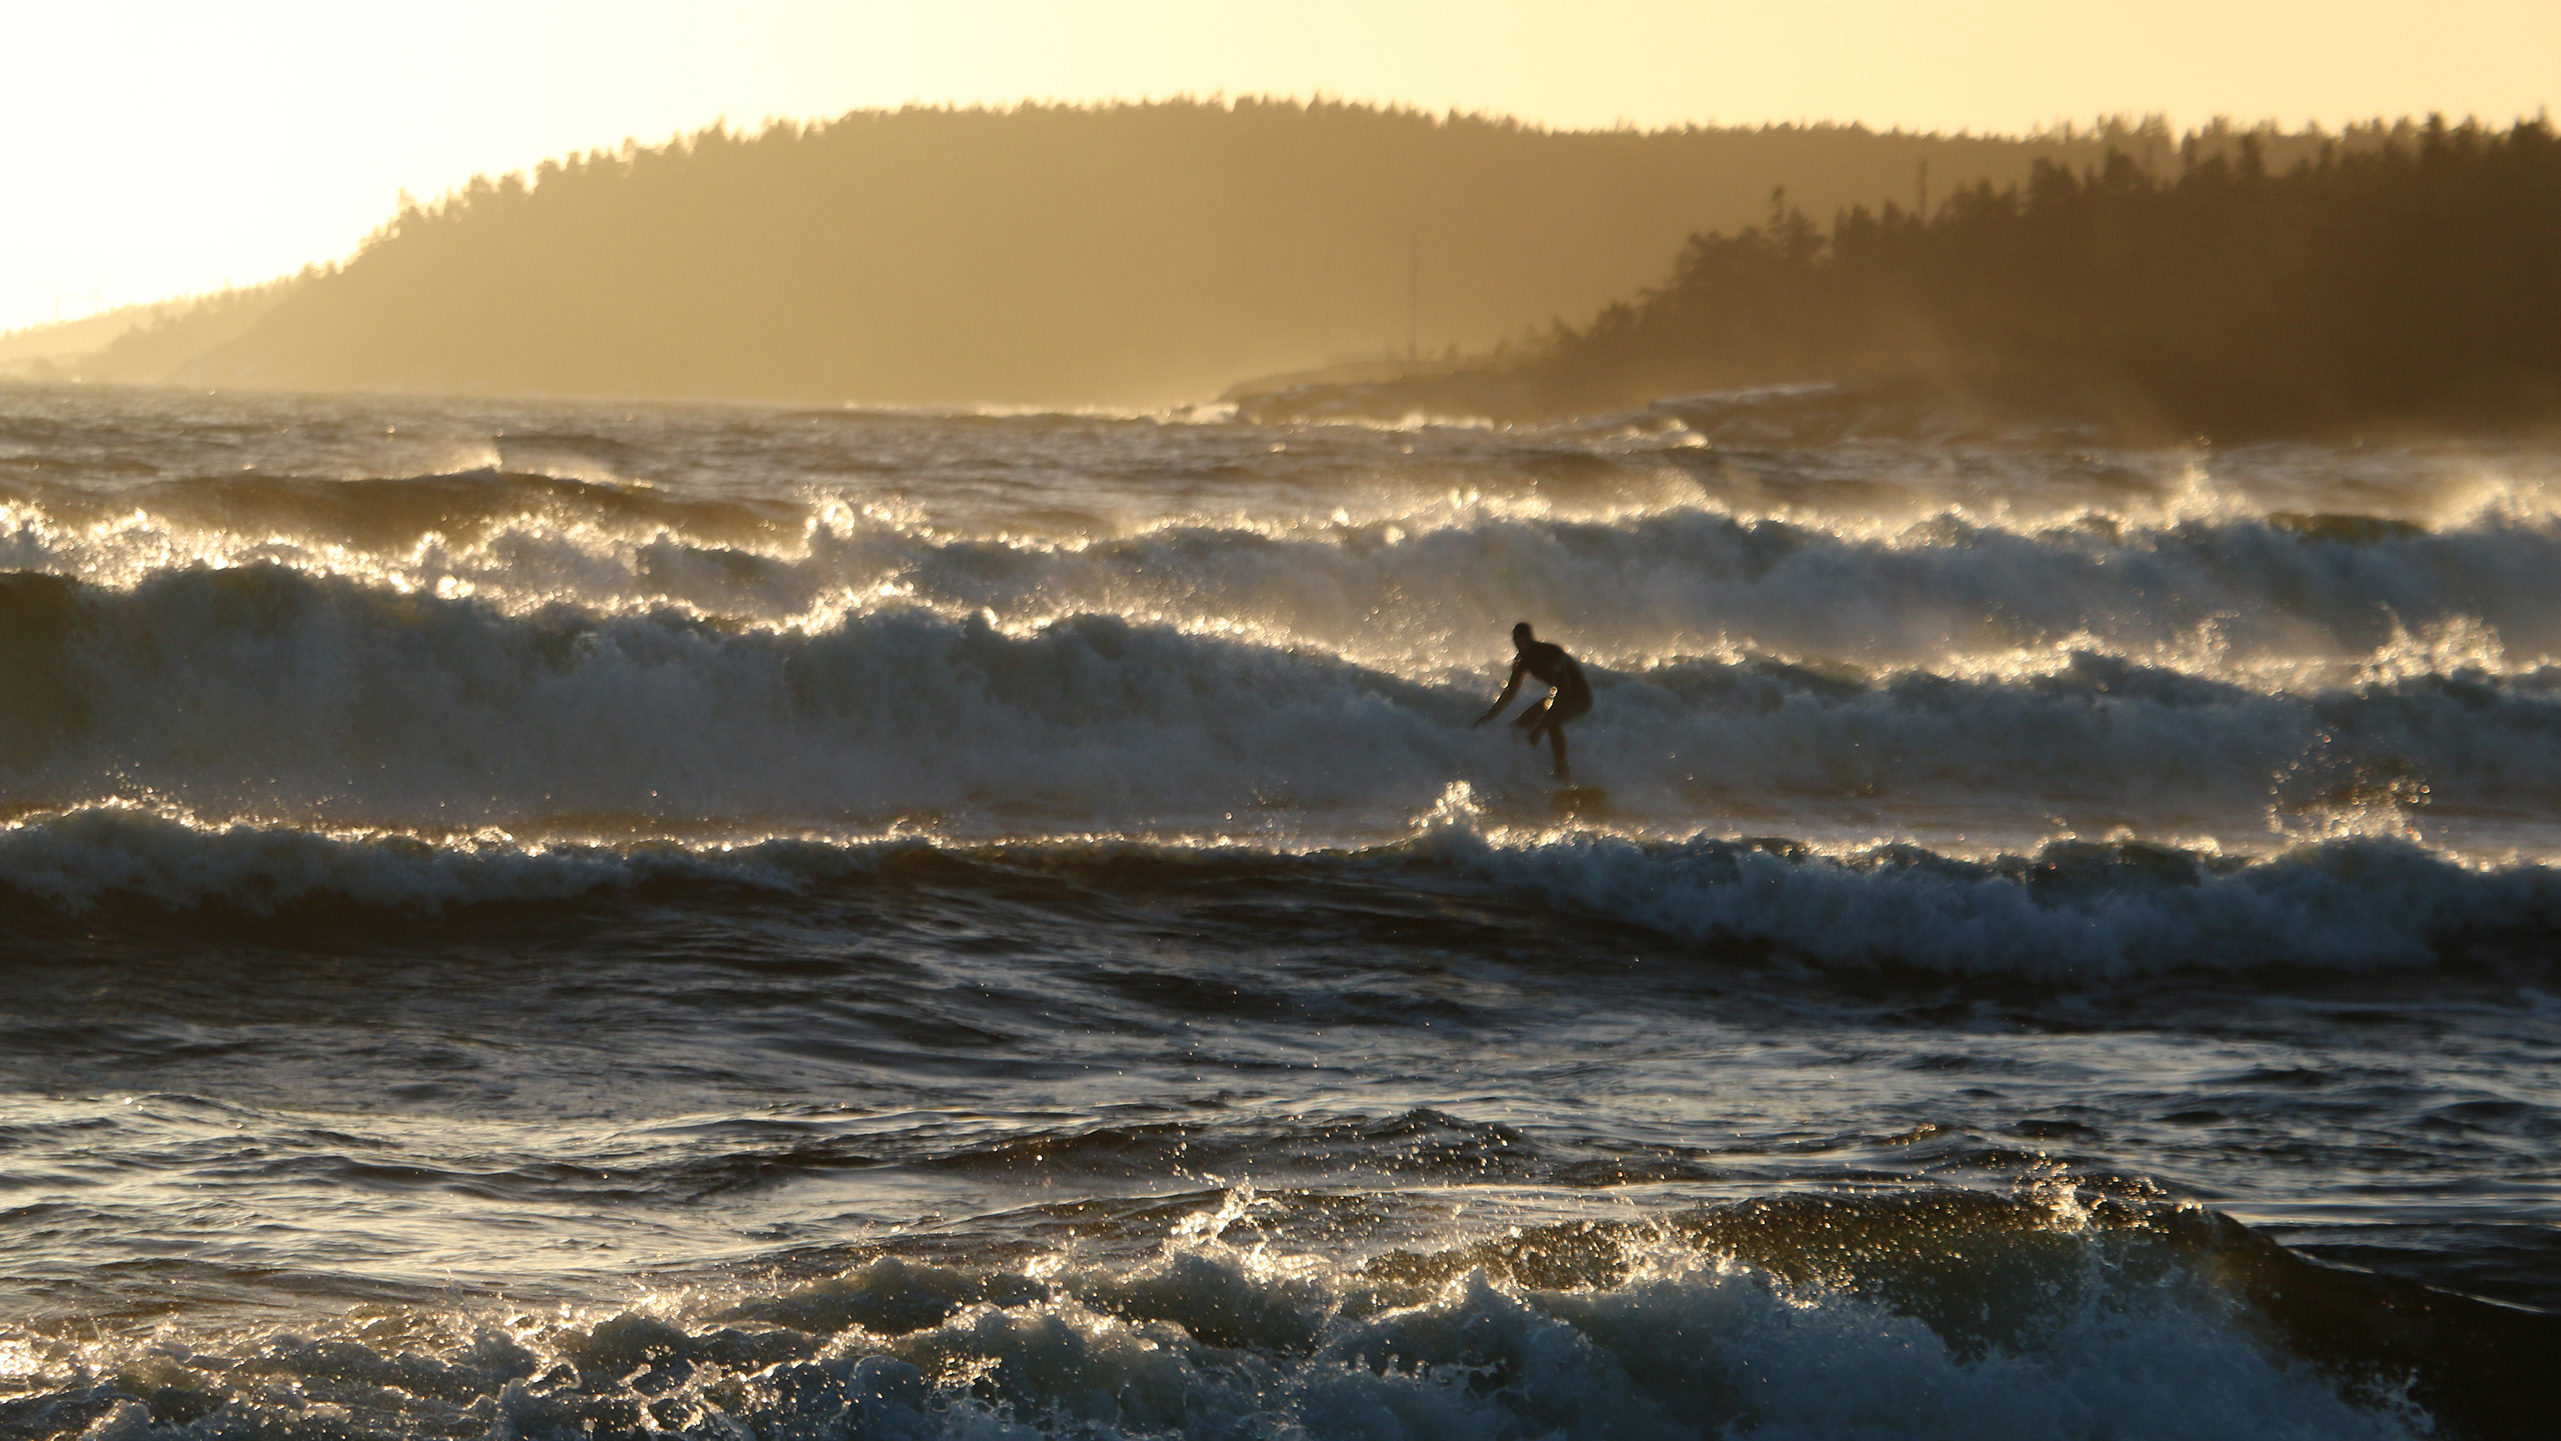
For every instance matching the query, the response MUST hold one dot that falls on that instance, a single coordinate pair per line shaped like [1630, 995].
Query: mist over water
[529, 920]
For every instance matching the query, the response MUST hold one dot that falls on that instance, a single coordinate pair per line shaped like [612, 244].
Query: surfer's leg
[1532, 721]
[1562, 707]
[1559, 707]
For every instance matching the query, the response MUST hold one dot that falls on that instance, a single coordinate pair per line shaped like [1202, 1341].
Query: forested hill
[1050, 254]
[2410, 280]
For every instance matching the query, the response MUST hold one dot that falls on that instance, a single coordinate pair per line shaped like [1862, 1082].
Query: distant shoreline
[1870, 407]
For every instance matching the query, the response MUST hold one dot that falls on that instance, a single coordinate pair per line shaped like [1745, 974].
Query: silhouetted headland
[2407, 280]
[1042, 255]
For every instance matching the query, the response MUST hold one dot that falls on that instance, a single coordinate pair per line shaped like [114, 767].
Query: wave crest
[2069, 914]
[1409, 582]
[261, 692]
[1936, 1314]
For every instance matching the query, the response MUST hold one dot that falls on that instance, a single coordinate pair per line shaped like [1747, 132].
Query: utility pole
[1922, 187]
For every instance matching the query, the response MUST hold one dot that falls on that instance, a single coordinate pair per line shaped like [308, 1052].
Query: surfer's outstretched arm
[1510, 687]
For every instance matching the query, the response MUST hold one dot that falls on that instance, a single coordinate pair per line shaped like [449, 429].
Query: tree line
[1109, 254]
[2410, 276]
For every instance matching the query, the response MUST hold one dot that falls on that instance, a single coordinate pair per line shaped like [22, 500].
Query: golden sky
[164, 148]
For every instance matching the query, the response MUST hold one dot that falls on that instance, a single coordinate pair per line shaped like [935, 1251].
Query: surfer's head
[1521, 634]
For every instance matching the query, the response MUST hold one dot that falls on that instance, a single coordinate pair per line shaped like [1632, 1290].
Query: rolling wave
[2068, 913]
[848, 899]
[2270, 597]
[260, 692]
[1932, 1314]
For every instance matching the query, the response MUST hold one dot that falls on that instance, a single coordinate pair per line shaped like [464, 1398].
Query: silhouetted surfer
[1568, 694]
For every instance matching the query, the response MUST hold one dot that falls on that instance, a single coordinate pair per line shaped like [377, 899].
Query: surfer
[1568, 694]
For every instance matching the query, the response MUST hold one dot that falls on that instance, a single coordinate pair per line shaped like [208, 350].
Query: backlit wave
[2270, 599]
[1930, 1315]
[259, 691]
[2068, 913]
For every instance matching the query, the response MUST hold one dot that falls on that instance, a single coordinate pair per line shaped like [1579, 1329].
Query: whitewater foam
[542, 920]
[257, 692]
[1203, 1339]
[2070, 913]
[2271, 599]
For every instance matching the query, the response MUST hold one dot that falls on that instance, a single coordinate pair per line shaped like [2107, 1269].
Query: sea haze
[528, 920]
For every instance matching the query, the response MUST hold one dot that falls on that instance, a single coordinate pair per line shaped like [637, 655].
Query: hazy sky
[164, 148]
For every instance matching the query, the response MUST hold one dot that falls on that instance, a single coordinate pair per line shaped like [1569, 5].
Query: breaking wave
[2273, 597]
[692, 921]
[1931, 1314]
[261, 692]
[2068, 913]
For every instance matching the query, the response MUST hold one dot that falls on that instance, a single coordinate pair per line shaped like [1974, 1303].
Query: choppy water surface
[550, 920]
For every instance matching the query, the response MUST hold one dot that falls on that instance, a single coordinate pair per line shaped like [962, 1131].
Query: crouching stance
[1568, 694]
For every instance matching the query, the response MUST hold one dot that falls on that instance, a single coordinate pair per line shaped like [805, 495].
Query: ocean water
[583, 920]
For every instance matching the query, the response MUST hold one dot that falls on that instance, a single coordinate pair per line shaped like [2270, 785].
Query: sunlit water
[530, 920]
